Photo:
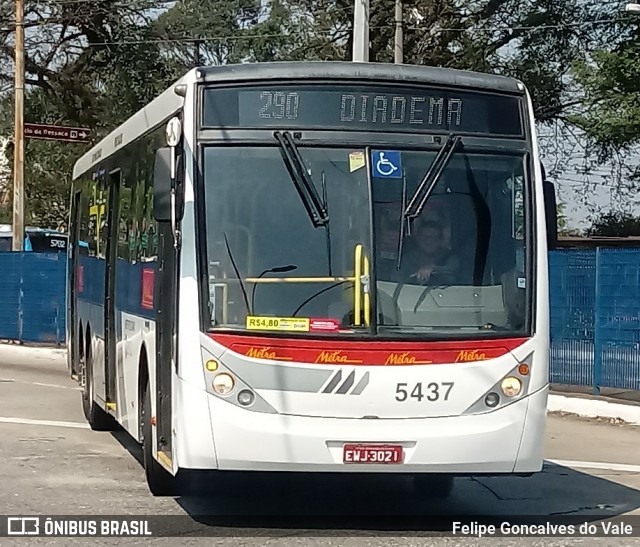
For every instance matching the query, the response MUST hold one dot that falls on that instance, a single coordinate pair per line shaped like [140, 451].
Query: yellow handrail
[361, 293]
[357, 285]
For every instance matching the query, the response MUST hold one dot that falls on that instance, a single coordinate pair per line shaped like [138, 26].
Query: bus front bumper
[509, 440]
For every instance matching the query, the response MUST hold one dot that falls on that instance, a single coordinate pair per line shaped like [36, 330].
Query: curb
[589, 408]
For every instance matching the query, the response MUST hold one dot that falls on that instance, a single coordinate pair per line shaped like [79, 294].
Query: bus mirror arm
[176, 203]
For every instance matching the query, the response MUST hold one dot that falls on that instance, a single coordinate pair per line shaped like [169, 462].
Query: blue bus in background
[38, 240]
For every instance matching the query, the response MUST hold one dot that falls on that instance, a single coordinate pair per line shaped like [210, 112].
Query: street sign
[56, 132]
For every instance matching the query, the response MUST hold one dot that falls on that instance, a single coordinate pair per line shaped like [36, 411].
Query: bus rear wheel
[159, 480]
[437, 487]
[98, 418]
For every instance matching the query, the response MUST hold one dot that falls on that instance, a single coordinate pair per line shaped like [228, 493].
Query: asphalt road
[54, 465]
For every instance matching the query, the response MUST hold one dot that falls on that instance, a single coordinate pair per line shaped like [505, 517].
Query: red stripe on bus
[336, 352]
[148, 279]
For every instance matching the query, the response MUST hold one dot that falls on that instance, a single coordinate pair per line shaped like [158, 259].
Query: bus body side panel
[136, 276]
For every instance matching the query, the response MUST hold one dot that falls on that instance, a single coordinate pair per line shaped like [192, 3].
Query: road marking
[50, 423]
[41, 384]
[50, 385]
[597, 465]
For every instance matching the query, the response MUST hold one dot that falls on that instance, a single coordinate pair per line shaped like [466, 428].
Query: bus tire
[437, 487]
[98, 418]
[159, 480]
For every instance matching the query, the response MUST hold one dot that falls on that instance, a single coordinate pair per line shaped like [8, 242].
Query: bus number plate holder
[372, 453]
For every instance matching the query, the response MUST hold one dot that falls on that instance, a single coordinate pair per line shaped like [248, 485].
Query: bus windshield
[257, 226]
[456, 268]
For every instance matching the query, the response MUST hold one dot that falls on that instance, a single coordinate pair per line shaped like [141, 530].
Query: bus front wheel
[159, 480]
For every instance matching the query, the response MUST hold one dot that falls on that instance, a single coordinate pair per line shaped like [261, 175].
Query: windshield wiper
[425, 189]
[429, 181]
[301, 179]
[325, 201]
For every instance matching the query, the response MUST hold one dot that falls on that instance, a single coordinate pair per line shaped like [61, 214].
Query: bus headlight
[511, 386]
[510, 389]
[223, 383]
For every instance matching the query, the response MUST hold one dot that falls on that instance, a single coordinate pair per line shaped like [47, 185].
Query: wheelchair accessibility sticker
[386, 164]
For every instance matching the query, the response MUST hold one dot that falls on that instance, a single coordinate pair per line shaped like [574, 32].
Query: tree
[611, 84]
[90, 65]
[615, 224]
[96, 63]
[610, 113]
[6, 155]
[563, 222]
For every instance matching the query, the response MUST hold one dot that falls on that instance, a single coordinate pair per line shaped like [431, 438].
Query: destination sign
[363, 108]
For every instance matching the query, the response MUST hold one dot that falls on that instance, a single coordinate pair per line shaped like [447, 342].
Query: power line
[435, 28]
[237, 37]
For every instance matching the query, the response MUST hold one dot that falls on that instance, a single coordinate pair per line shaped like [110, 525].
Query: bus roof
[168, 103]
[360, 71]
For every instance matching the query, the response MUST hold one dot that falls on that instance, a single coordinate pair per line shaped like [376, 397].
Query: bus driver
[428, 260]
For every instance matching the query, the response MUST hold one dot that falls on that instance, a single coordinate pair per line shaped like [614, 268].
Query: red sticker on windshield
[324, 325]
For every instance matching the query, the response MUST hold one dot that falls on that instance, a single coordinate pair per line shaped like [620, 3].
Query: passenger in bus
[428, 261]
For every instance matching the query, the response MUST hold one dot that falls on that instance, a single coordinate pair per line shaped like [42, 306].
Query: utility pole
[18, 146]
[361, 31]
[198, 61]
[398, 48]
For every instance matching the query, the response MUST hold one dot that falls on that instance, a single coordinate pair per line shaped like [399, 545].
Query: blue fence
[595, 311]
[32, 297]
[595, 317]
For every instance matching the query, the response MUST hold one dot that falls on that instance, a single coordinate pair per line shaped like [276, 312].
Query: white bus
[317, 267]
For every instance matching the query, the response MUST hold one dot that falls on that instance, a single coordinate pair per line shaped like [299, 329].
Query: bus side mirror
[162, 185]
[551, 214]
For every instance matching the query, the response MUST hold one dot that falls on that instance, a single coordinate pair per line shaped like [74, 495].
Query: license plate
[372, 453]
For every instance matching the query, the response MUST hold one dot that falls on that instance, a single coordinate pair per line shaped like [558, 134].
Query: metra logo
[265, 353]
[470, 355]
[335, 357]
[405, 358]
[261, 353]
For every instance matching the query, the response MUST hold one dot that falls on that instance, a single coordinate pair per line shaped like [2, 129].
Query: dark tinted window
[5, 243]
